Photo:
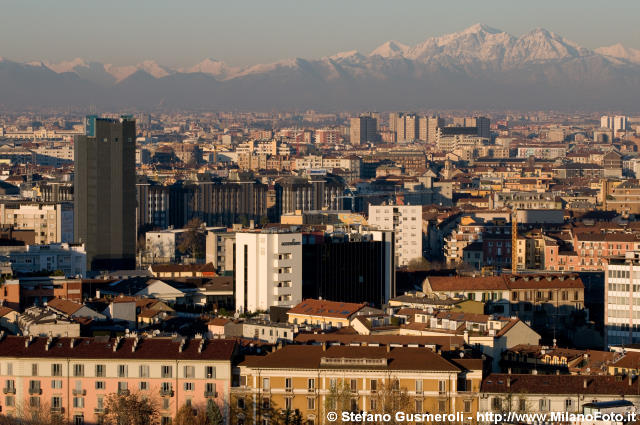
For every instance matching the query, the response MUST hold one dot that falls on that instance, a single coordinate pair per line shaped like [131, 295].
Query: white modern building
[622, 300]
[68, 258]
[268, 270]
[406, 222]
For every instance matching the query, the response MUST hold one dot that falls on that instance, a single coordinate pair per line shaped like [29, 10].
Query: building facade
[104, 193]
[268, 270]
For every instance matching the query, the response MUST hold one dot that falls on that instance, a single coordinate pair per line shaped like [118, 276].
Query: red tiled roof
[65, 306]
[98, 348]
[559, 384]
[309, 357]
[311, 307]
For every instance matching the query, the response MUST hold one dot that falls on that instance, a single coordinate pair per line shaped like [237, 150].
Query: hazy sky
[242, 32]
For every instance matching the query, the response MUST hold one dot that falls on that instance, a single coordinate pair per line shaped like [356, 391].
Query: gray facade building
[105, 192]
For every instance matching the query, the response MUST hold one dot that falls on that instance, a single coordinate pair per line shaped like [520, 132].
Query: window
[287, 383]
[56, 384]
[372, 404]
[78, 370]
[34, 401]
[287, 403]
[100, 403]
[167, 372]
[166, 403]
[442, 386]
[122, 386]
[56, 369]
[100, 371]
[354, 385]
[144, 386]
[78, 420]
[188, 386]
[467, 406]
[522, 405]
[374, 385]
[266, 383]
[34, 387]
[189, 371]
[419, 386]
[166, 387]
[311, 403]
[496, 403]
[311, 384]
[144, 371]
[122, 371]
[442, 406]
[266, 402]
[78, 402]
[34, 369]
[568, 405]
[165, 420]
[354, 404]
[542, 405]
[9, 369]
[100, 385]
[240, 403]
[56, 402]
[10, 401]
[210, 389]
[210, 372]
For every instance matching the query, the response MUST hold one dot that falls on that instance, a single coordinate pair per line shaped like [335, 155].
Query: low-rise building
[74, 376]
[309, 379]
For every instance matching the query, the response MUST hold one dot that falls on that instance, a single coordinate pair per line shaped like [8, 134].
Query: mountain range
[479, 67]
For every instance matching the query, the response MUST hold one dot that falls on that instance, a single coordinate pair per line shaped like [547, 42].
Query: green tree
[213, 413]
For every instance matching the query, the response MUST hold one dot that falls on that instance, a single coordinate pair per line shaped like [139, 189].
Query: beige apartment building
[52, 222]
[316, 379]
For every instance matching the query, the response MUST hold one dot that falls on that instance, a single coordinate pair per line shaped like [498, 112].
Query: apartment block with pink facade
[74, 376]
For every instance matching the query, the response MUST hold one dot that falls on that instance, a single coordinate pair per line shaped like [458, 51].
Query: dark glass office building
[105, 192]
[337, 269]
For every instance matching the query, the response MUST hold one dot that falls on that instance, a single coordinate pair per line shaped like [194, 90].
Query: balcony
[9, 390]
[282, 290]
[166, 393]
[79, 392]
[288, 389]
[211, 394]
[98, 410]
[58, 410]
[123, 391]
[35, 391]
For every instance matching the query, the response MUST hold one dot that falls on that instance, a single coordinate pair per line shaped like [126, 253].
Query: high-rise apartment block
[621, 300]
[268, 270]
[615, 123]
[428, 128]
[406, 222]
[364, 129]
[105, 192]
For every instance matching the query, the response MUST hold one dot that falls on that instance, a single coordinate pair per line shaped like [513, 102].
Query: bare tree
[130, 409]
[192, 242]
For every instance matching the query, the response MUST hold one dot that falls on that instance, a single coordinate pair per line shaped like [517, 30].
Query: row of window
[78, 370]
[35, 386]
[542, 405]
[352, 384]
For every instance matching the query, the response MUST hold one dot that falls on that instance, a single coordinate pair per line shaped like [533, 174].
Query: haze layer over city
[306, 213]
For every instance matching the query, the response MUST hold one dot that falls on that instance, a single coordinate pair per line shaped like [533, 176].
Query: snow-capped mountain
[620, 52]
[479, 66]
